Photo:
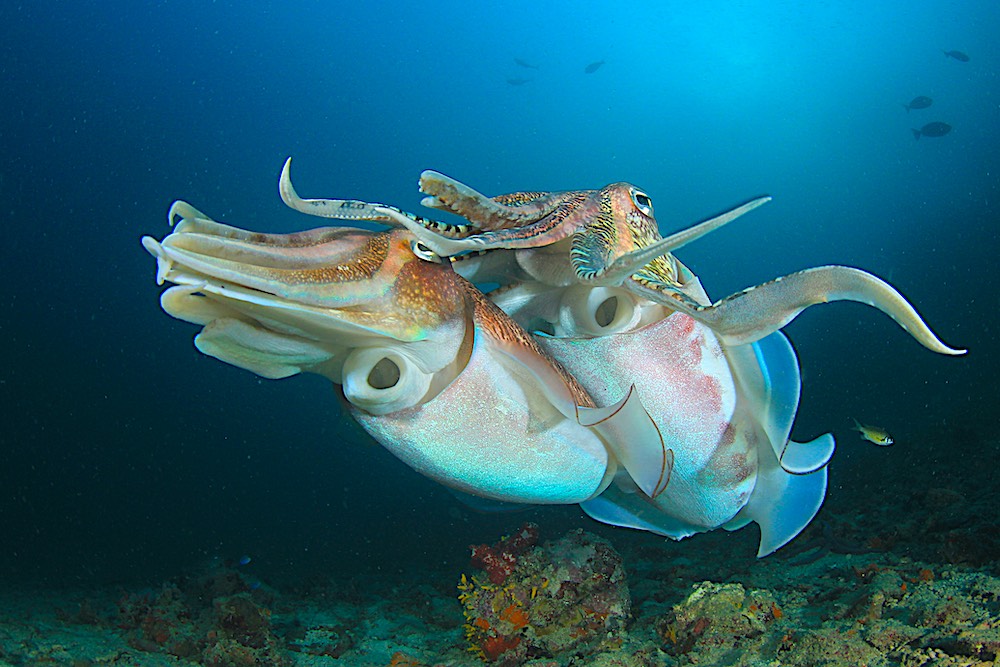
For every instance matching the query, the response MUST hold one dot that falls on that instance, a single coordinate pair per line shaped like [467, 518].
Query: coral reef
[867, 584]
[500, 559]
[568, 596]
[719, 618]
[217, 619]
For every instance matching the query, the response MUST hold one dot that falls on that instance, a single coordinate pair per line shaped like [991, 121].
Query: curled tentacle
[748, 316]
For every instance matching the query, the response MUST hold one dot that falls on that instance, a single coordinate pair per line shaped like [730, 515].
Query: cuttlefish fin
[782, 503]
[772, 384]
[626, 265]
[635, 441]
[486, 505]
[756, 312]
[802, 458]
[621, 504]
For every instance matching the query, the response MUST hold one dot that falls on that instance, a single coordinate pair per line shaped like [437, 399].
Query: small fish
[957, 55]
[935, 129]
[244, 560]
[593, 67]
[525, 64]
[874, 434]
[514, 81]
[919, 102]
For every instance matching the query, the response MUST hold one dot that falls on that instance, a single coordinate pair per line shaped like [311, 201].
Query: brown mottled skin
[604, 224]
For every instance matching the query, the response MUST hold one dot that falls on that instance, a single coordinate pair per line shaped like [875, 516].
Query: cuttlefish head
[372, 311]
[601, 237]
[593, 229]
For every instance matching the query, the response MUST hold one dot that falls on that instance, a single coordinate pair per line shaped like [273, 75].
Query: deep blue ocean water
[128, 455]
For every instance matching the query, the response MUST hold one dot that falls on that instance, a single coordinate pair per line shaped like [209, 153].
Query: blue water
[128, 454]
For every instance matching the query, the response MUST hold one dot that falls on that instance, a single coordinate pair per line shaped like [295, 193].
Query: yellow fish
[874, 434]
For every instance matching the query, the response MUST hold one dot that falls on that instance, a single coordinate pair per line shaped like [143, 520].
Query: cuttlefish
[435, 371]
[590, 274]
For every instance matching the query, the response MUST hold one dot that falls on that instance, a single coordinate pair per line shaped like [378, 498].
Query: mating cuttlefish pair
[598, 372]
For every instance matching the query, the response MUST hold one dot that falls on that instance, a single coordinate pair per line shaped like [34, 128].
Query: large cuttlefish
[590, 274]
[430, 367]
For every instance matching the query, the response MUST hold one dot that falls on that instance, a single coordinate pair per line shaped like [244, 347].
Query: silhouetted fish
[919, 102]
[517, 82]
[593, 67]
[525, 64]
[957, 55]
[935, 129]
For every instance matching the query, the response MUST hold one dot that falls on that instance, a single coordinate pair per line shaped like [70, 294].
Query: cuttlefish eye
[425, 253]
[642, 202]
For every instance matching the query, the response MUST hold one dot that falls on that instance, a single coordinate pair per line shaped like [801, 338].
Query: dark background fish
[919, 102]
[957, 55]
[935, 129]
[525, 64]
[593, 67]
[127, 454]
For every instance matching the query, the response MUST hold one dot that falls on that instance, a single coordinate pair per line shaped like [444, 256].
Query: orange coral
[516, 616]
[494, 647]
[400, 659]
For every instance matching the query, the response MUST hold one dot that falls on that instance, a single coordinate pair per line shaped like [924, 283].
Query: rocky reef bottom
[570, 601]
[911, 582]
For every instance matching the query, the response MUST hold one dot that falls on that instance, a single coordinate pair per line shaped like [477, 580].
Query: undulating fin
[635, 441]
[782, 503]
[623, 505]
[756, 312]
[486, 505]
[779, 368]
[770, 384]
[802, 458]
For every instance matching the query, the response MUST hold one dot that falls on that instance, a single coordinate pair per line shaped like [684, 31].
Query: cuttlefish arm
[360, 211]
[634, 261]
[515, 209]
[334, 301]
[756, 312]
